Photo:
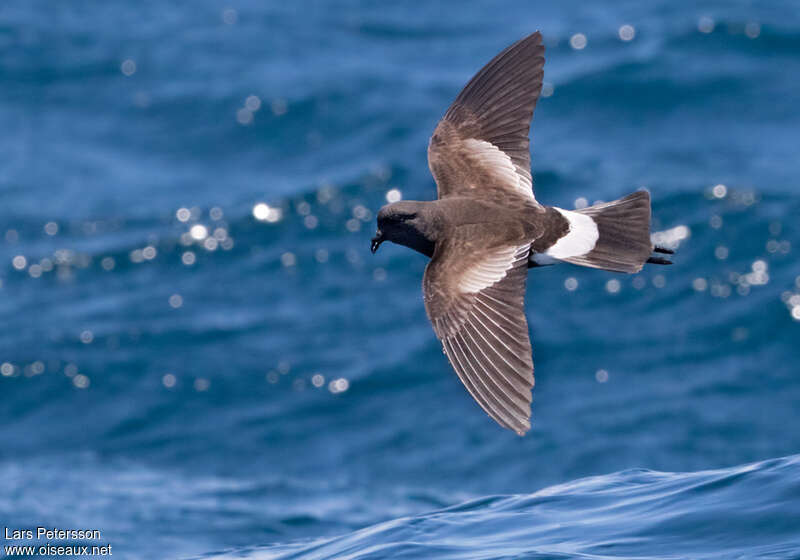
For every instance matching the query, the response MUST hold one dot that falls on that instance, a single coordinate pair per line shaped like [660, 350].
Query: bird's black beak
[376, 241]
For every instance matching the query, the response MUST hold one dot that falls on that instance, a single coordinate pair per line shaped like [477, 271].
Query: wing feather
[470, 383]
[484, 333]
[492, 113]
[480, 349]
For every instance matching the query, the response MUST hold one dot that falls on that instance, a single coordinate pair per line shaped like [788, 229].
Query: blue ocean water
[200, 357]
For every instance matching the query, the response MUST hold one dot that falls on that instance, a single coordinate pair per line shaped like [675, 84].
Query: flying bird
[486, 229]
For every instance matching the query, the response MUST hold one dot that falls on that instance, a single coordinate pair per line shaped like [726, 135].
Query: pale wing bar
[498, 163]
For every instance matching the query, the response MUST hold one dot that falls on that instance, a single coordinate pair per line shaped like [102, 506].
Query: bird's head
[407, 223]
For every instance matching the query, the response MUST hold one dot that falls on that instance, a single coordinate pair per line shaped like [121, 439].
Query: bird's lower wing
[477, 311]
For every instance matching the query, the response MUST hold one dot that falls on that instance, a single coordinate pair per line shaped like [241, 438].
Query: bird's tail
[623, 235]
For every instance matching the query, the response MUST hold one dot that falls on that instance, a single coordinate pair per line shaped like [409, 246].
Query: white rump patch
[492, 269]
[491, 157]
[580, 239]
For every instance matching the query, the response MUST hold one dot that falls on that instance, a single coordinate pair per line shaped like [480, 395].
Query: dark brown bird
[486, 229]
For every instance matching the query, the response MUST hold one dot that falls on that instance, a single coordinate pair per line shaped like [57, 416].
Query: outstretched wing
[481, 144]
[476, 304]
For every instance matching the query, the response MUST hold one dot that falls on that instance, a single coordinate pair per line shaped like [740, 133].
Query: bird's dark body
[507, 221]
[555, 226]
[487, 228]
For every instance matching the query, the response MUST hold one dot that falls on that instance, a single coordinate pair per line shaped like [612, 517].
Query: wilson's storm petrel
[486, 229]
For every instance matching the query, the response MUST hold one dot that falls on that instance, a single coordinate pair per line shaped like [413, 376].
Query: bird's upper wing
[475, 300]
[481, 144]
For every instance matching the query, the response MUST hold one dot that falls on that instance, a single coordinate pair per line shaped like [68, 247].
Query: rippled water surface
[200, 357]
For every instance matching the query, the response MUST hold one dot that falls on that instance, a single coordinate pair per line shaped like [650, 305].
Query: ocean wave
[747, 511]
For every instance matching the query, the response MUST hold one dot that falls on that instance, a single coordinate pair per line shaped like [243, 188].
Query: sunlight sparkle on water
[325, 193]
[758, 275]
[338, 385]
[80, 381]
[244, 116]
[752, 29]
[627, 32]
[571, 284]
[700, 284]
[149, 252]
[303, 208]
[260, 211]
[288, 259]
[229, 16]
[321, 255]
[705, 24]
[671, 238]
[613, 286]
[353, 225]
[720, 290]
[719, 191]
[252, 103]
[263, 212]
[198, 232]
[578, 41]
[360, 211]
[279, 107]
[201, 384]
[220, 234]
[128, 67]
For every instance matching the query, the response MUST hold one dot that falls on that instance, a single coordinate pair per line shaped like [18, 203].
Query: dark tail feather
[624, 242]
[659, 260]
